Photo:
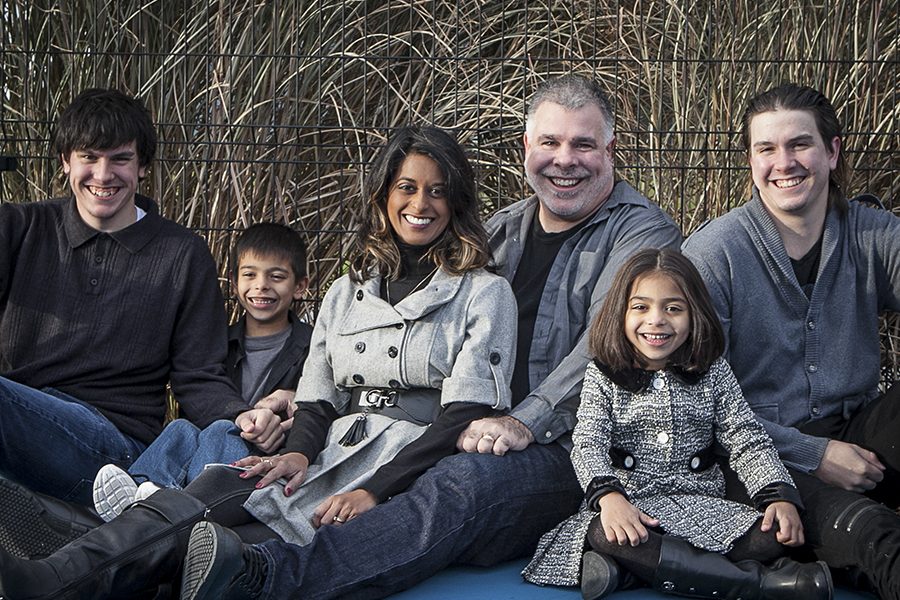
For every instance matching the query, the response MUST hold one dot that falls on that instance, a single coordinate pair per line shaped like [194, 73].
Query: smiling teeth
[102, 192]
[656, 336]
[564, 182]
[788, 183]
[417, 220]
[262, 301]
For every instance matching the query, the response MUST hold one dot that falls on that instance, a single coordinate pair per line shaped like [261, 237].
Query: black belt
[417, 405]
[699, 461]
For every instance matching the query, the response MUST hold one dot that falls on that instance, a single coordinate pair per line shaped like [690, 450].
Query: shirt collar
[638, 380]
[133, 238]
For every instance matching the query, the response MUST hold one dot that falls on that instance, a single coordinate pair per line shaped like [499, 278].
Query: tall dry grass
[270, 109]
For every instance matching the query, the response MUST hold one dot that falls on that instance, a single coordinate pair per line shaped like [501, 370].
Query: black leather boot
[688, 571]
[34, 525]
[134, 552]
[600, 575]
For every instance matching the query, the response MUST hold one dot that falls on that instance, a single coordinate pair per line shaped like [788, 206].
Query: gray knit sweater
[800, 359]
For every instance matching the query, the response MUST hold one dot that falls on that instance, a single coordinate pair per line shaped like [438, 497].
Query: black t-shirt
[538, 255]
[807, 268]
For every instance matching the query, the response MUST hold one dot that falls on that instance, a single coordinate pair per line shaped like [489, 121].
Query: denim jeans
[55, 444]
[475, 509]
[182, 450]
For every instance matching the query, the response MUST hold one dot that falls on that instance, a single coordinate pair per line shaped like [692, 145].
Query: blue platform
[504, 583]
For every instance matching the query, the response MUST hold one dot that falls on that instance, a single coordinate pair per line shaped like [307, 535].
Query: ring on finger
[337, 519]
[267, 462]
[488, 437]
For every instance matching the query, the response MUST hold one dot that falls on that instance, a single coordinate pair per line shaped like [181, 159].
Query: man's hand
[337, 510]
[262, 428]
[496, 435]
[790, 528]
[623, 522]
[291, 466]
[280, 402]
[850, 467]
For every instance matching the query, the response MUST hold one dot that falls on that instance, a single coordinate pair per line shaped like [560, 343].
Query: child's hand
[262, 428]
[280, 402]
[622, 521]
[337, 510]
[790, 528]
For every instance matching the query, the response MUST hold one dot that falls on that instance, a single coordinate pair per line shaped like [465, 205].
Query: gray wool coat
[456, 335]
[663, 426]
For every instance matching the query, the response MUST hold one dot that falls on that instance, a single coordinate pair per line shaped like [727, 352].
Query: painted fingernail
[288, 491]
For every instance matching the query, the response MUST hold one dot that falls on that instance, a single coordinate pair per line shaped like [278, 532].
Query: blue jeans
[55, 444]
[475, 509]
[179, 454]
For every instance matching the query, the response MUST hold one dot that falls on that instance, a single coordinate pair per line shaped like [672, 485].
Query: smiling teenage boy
[266, 351]
[798, 276]
[103, 303]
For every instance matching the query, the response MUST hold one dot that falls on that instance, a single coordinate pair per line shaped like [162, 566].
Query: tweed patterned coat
[663, 425]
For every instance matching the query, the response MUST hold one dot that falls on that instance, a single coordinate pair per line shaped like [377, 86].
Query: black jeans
[850, 531]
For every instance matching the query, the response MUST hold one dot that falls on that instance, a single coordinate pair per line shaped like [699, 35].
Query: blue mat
[504, 583]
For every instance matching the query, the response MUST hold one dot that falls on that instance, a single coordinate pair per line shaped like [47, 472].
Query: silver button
[548, 435]
[811, 324]
[812, 368]
[658, 383]
[662, 437]
[815, 410]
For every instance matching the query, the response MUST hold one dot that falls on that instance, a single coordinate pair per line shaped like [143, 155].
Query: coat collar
[369, 311]
[638, 380]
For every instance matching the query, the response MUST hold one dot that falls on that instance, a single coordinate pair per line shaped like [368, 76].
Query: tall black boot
[688, 571]
[34, 525]
[142, 547]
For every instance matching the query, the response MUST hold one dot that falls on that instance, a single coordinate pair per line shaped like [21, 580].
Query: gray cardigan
[800, 359]
[575, 289]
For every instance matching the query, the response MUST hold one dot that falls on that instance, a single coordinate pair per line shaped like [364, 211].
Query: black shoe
[218, 566]
[599, 576]
[33, 525]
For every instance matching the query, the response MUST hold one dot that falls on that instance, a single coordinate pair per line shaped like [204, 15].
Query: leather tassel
[356, 433]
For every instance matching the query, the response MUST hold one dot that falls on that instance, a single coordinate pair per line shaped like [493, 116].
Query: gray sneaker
[114, 491]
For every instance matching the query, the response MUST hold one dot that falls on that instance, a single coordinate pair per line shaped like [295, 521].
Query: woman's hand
[337, 510]
[623, 522]
[291, 466]
[790, 527]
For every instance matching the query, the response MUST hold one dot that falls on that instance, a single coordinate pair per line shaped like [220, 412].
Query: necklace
[418, 286]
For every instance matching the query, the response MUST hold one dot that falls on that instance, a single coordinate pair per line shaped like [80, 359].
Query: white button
[662, 437]
[658, 383]
[548, 434]
[629, 462]
[695, 462]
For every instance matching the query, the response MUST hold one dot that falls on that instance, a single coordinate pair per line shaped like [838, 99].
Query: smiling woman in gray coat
[415, 342]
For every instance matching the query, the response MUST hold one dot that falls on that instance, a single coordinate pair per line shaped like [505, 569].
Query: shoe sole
[207, 571]
[599, 578]
[27, 529]
[112, 493]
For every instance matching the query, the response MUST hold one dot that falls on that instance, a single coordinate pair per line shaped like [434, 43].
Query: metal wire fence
[271, 109]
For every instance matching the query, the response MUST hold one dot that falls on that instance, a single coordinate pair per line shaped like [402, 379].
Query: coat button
[495, 358]
[695, 463]
[359, 294]
[629, 462]
[394, 384]
[392, 352]
[658, 383]
[662, 437]
[399, 325]
[360, 347]
[358, 379]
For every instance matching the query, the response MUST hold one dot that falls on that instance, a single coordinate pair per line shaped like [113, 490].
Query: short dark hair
[706, 340]
[102, 119]
[790, 96]
[462, 246]
[572, 91]
[271, 239]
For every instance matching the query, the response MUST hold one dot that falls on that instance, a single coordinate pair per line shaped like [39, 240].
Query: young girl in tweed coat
[656, 397]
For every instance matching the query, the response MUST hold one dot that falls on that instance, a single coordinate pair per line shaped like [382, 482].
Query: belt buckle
[377, 398]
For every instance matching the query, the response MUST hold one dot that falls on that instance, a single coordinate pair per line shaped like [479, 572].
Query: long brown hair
[790, 96]
[705, 342]
[464, 243]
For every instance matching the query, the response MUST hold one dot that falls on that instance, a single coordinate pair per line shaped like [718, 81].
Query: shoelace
[253, 577]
